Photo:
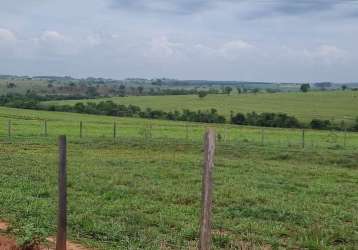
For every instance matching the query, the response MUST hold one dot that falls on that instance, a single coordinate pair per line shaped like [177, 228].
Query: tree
[239, 90]
[355, 127]
[202, 94]
[305, 87]
[122, 90]
[11, 85]
[91, 91]
[323, 85]
[344, 87]
[238, 119]
[228, 90]
[320, 124]
[140, 90]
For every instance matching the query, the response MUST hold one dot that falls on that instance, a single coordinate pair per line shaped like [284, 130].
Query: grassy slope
[305, 106]
[145, 194]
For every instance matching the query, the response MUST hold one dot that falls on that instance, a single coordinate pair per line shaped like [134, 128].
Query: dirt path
[8, 243]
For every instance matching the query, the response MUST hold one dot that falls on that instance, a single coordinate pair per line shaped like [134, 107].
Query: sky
[248, 40]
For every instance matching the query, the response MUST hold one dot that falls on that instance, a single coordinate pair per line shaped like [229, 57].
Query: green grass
[331, 105]
[137, 193]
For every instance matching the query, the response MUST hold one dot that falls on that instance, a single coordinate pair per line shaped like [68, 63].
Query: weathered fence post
[303, 138]
[9, 129]
[81, 127]
[62, 195]
[225, 134]
[186, 132]
[207, 190]
[262, 136]
[114, 130]
[45, 127]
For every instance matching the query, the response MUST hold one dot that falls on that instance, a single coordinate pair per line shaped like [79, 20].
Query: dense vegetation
[279, 120]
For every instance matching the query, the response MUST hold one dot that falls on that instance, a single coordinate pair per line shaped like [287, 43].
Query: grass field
[143, 192]
[22, 86]
[332, 105]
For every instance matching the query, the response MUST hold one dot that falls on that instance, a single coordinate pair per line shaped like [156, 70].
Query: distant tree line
[31, 100]
[279, 120]
[266, 119]
[114, 109]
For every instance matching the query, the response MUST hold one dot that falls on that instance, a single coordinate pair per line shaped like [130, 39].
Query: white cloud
[52, 36]
[161, 48]
[233, 49]
[330, 51]
[7, 35]
[328, 54]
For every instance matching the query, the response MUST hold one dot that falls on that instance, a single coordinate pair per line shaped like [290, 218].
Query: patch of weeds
[29, 236]
[282, 156]
[222, 241]
[263, 213]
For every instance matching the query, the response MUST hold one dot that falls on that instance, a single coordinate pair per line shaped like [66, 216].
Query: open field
[22, 86]
[142, 191]
[332, 105]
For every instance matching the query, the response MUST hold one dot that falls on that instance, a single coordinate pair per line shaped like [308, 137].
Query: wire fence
[135, 129]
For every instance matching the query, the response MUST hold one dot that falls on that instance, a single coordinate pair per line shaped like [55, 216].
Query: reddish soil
[70, 245]
[3, 226]
[7, 244]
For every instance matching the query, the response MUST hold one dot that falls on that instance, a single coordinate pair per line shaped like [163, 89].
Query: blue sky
[253, 40]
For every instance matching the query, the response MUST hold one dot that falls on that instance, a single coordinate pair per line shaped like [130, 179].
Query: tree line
[265, 119]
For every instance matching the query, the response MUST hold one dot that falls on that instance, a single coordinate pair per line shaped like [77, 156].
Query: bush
[279, 120]
[239, 119]
[320, 124]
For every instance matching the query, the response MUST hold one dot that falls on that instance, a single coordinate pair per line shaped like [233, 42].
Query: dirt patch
[70, 245]
[3, 226]
[7, 244]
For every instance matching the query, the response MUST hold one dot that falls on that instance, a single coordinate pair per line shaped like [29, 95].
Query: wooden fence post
[81, 127]
[114, 130]
[9, 129]
[186, 132]
[62, 195]
[207, 190]
[303, 138]
[262, 136]
[225, 134]
[345, 138]
[45, 127]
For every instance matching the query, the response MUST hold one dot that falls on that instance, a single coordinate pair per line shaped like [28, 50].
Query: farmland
[142, 189]
[336, 106]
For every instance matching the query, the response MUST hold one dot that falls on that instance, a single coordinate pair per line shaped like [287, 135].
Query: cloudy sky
[253, 40]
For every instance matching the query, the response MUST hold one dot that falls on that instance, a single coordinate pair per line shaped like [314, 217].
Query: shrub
[320, 124]
[239, 119]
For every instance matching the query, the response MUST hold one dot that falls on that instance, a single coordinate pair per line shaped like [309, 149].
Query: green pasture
[28, 123]
[336, 106]
[142, 190]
